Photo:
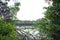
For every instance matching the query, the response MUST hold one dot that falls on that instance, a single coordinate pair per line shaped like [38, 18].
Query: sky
[31, 9]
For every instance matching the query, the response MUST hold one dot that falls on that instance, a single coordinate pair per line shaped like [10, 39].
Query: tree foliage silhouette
[50, 25]
[7, 24]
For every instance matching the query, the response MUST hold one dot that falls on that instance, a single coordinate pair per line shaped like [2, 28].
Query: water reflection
[29, 32]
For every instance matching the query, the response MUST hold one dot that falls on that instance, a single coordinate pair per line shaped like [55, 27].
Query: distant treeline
[20, 22]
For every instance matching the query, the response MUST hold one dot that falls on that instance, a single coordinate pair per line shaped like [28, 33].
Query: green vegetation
[50, 25]
[7, 24]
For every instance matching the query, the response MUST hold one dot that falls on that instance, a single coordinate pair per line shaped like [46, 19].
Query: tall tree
[53, 14]
[7, 25]
[51, 23]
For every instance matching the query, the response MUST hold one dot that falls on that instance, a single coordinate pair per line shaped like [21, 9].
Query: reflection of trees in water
[28, 33]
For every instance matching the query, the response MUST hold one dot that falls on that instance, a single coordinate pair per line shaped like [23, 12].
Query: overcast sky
[31, 9]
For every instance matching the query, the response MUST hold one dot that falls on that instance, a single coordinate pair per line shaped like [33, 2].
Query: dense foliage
[7, 24]
[50, 25]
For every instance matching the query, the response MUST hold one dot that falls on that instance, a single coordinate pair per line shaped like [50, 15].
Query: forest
[47, 28]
